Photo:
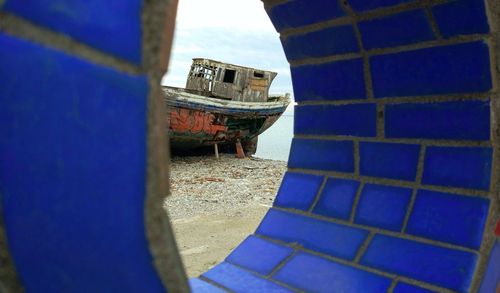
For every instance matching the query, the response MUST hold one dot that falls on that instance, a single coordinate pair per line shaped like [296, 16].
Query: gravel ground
[201, 185]
[216, 204]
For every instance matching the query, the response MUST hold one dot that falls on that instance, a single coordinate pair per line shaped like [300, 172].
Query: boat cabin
[227, 81]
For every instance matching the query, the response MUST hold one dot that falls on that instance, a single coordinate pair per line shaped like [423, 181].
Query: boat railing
[278, 98]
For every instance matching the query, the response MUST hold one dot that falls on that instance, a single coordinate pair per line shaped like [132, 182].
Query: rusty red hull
[201, 121]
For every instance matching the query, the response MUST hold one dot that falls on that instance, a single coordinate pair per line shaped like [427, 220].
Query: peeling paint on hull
[196, 121]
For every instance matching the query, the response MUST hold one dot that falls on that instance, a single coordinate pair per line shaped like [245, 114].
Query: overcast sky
[233, 31]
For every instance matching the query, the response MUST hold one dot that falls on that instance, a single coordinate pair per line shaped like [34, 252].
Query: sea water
[275, 142]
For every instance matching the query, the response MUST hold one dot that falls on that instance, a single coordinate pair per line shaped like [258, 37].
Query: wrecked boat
[222, 104]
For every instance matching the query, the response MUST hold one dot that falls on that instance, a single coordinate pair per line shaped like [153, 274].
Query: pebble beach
[215, 203]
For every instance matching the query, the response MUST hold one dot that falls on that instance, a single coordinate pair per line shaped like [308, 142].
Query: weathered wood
[229, 81]
[196, 120]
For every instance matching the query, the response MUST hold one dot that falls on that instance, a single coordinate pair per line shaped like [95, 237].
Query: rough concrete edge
[9, 281]
[493, 14]
[158, 21]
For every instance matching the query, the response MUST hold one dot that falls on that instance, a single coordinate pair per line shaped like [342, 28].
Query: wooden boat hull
[196, 121]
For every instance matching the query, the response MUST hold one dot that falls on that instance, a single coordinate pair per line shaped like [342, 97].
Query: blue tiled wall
[389, 160]
[352, 120]
[462, 68]
[309, 81]
[390, 180]
[65, 126]
[383, 206]
[364, 5]
[336, 40]
[322, 155]
[395, 30]
[407, 288]
[233, 278]
[337, 198]
[467, 167]
[394, 118]
[200, 286]
[259, 255]
[491, 281]
[297, 13]
[112, 26]
[461, 17]
[313, 234]
[451, 269]
[468, 120]
[298, 190]
[461, 218]
[315, 274]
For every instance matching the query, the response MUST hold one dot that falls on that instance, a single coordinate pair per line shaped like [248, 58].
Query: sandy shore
[215, 204]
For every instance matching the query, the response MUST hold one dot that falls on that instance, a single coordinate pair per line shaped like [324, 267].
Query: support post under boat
[216, 149]
[240, 154]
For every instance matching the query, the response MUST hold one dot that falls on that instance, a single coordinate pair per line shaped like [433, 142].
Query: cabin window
[229, 76]
[192, 71]
[202, 71]
[196, 71]
[258, 74]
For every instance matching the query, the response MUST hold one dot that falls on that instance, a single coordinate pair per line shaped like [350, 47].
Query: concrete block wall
[393, 180]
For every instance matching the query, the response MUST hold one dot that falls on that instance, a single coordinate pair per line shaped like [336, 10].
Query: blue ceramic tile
[491, 279]
[352, 120]
[298, 190]
[72, 140]
[389, 160]
[327, 155]
[239, 280]
[449, 218]
[303, 12]
[461, 68]
[466, 167]
[465, 120]
[315, 274]
[325, 42]
[321, 236]
[314, 82]
[199, 286]
[363, 5]
[337, 198]
[383, 206]
[395, 30]
[461, 17]
[110, 26]
[407, 288]
[259, 255]
[452, 269]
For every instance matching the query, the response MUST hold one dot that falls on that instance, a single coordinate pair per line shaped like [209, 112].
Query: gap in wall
[215, 204]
